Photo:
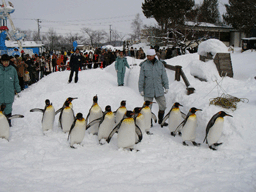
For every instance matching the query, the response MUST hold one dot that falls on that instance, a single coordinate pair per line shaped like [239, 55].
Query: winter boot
[160, 118]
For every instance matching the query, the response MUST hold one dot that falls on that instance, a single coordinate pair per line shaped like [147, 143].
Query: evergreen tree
[167, 12]
[209, 12]
[241, 14]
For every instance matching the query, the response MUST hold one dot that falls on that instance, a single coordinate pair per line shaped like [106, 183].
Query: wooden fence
[179, 73]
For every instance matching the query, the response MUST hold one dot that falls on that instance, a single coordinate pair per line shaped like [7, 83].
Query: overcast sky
[70, 16]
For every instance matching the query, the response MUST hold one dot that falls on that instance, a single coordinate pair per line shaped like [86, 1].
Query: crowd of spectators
[31, 68]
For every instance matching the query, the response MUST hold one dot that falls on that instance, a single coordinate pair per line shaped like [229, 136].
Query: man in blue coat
[153, 82]
[9, 84]
[120, 64]
[75, 63]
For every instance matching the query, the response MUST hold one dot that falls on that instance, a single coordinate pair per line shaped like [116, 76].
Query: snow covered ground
[31, 161]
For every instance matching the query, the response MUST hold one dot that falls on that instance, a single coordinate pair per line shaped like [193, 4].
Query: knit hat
[5, 57]
[151, 52]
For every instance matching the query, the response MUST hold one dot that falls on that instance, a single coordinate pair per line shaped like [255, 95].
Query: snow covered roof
[249, 38]
[24, 44]
[204, 24]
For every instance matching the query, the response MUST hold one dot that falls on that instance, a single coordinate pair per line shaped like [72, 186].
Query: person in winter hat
[9, 84]
[153, 82]
[120, 64]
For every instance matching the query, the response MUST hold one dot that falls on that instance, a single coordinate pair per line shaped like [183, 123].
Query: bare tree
[95, 36]
[52, 40]
[136, 26]
[100, 37]
[117, 36]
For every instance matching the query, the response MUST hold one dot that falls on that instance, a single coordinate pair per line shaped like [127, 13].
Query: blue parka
[9, 83]
[153, 78]
[121, 64]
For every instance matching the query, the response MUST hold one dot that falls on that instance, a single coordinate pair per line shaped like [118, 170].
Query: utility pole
[110, 32]
[38, 28]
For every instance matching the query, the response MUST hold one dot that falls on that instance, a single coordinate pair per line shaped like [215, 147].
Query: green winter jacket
[153, 78]
[9, 83]
[120, 64]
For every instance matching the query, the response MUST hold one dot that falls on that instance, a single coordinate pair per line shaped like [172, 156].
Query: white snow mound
[212, 46]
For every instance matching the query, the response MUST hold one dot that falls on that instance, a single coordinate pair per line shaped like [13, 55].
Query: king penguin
[148, 115]
[95, 112]
[174, 116]
[48, 115]
[188, 127]
[4, 124]
[66, 117]
[126, 132]
[77, 130]
[106, 124]
[214, 129]
[120, 111]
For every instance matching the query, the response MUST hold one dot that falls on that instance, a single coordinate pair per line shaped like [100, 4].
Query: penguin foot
[172, 134]
[195, 143]
[212, 148]
[95, 133]
[149, 133]
[132, 149]
[217, 144]
[180, 134]
[184, 143]
[164, 124]
[72, 147]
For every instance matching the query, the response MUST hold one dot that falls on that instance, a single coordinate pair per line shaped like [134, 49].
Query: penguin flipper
[86, 119]
[139, 133]
[93, 122]
[37, 110]
[15, 116]
[114, 131]
[209, 125]
[72, 126]
[179, 127]
[153, 116]
[183, 115]
[59, 110]
[165, 118]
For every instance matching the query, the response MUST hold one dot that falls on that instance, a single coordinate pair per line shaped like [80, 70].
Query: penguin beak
[199, 110]
[228, 115]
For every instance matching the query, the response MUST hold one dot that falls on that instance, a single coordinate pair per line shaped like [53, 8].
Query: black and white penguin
[106, 124]
[188, 127]
[66, 117]
[214, 129]
[48, 115]
[148, 116]
[4, 124]
[127, 130]
[77, 130]
[120, 112]
[95, 112]
[174, 116]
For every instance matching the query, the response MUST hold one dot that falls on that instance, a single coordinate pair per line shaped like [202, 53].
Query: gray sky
[70, 16]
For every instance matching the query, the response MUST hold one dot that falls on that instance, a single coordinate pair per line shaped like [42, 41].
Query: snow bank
[212, 46]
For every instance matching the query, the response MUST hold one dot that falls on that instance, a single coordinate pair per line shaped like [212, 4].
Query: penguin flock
[187, 128]
[130, 126]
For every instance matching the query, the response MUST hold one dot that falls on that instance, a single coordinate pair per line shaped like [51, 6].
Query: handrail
[180, 73]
